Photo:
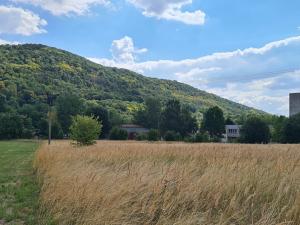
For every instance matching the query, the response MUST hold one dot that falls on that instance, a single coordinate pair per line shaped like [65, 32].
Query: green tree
[188, 122]
[85, 130]
[67, 106]
[214, 122]
[229, 121]
[102, 115]
[13, 126]
[171, 119]
[291, 130]
[150, 115]
[277, 131]
[255, 131]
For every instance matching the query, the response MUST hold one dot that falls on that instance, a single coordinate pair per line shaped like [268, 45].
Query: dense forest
[34, 76]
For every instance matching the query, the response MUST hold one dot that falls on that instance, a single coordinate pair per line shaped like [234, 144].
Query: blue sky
[246, 51]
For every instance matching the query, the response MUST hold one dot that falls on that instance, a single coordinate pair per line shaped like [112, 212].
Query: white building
[233, 132]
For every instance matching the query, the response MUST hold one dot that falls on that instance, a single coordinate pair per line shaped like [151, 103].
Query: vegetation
[85, 130]
[118, 134]
[178, 119]
[214, 122]
[153, 135]
[255, 131]
[34, 77]
[19, 190]
[291, 130]
[172, 136]
[176, 183]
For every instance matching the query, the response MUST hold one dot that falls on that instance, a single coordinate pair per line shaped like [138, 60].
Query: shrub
[198, 138]
[85, 130]
[118, 134]
[141, 137]
[153, 135]
[172, 136]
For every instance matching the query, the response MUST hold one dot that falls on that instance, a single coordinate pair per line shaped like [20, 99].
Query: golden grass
[137, 183]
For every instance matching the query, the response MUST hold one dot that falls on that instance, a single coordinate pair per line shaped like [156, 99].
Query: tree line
[170, 120]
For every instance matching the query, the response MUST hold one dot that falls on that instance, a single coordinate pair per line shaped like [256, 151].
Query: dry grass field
[137, 183]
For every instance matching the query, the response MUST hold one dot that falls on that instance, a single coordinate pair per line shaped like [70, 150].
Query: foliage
[255, 131]
[149, 116]
[172, 136]
[229, 121]
[214, 122]
[118, 134]
[177, 118]
[153, 135]
[31, 73]
[198, 137]
[14, 126]
[85, 130]
[291, 130]
[67, 106]
[141, 137]
[102, 115]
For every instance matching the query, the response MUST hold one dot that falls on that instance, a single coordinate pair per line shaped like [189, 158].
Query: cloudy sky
[246, 51]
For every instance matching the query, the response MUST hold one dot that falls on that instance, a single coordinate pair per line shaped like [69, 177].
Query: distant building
[134, 130]
[233, 132]
[294, 103]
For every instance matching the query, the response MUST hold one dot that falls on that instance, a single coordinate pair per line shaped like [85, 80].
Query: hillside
[28, 72]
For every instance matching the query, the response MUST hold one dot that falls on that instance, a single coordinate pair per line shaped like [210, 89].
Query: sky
[245, 51]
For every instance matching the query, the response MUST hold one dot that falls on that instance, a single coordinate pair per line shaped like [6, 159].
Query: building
[294, 103]
[134, 130]
[233, 132]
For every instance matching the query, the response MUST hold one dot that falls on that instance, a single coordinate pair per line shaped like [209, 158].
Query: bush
[198, 138]
[85, 130]
[172, 136]
[153, 135]
[118, 134]
[141, 137]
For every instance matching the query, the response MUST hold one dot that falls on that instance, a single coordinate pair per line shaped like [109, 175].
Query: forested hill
[28, 72]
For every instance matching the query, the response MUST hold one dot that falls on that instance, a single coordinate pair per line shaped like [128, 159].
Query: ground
[141, 183]
[19, 190]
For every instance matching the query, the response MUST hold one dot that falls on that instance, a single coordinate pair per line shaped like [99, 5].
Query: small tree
[255, 131]
[85, 130]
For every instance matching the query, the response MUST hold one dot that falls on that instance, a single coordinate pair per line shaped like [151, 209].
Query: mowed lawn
[18, 187]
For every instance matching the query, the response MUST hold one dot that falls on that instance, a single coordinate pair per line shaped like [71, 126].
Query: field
[19, 191]
[131, 183]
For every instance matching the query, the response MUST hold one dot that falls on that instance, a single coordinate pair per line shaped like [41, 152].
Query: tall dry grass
[130, 183]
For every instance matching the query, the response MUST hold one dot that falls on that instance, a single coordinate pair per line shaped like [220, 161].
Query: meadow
[140, 183]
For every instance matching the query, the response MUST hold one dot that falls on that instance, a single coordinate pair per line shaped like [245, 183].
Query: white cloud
[19, 21]
[258, 77]
[4, 42]
[65, 7]
[124, 51]
[170, 10]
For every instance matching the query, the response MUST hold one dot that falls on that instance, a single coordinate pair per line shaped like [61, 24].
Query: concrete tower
[294, 104]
